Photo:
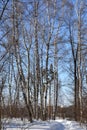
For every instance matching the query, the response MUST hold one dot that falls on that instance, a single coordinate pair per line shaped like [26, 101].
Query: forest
[43, 59]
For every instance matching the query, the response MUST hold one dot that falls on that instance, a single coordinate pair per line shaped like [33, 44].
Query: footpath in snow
[17, 124]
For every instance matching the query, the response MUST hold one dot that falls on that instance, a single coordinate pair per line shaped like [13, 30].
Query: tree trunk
[46, 87]
[37, 58]
[55, 78]
[79, 66]
[42, 86]
[75, 91]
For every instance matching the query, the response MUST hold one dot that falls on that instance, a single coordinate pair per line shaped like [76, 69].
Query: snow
[72, 125]
[59, 124]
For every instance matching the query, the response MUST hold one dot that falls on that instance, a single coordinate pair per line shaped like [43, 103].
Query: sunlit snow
[59, 124]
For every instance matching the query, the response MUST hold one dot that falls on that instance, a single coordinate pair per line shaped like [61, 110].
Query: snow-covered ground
[59, 124]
